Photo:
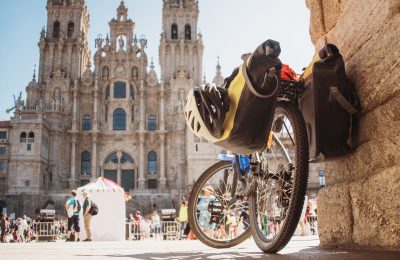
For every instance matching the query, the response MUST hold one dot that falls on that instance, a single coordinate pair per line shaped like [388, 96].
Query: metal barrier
[167, 230]
[47, 231]
[313, 220]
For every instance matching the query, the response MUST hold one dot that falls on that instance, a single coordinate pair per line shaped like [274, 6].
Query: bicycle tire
[192, 211]
[260, 227]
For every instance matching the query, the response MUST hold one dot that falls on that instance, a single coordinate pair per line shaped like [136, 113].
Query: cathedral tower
[181, 46]
[63, 45]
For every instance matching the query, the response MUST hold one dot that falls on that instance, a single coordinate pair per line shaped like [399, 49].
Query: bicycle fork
[239, 175]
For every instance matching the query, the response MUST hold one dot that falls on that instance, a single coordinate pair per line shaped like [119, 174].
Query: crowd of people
[151, 226]
[26, 229]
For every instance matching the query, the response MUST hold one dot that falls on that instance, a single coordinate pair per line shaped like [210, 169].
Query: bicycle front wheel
[215, 219]
[276, 202]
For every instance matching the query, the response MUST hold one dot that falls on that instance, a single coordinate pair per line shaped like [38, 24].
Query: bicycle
[269, 186]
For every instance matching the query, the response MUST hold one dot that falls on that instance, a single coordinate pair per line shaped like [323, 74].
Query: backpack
[94, 210]
[78, 207]
[329, 105]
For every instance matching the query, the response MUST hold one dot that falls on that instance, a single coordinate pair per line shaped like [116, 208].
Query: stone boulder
[360, 205]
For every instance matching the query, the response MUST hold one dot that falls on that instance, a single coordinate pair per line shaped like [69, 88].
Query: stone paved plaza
[298, 248]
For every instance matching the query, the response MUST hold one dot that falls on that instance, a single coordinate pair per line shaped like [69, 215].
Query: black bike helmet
[206, 110]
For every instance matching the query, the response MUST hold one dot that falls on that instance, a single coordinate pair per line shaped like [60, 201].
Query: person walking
[183, 217]
[73, 208]
[4, 226]
[155, 220]
[136, 226]
[87, 217]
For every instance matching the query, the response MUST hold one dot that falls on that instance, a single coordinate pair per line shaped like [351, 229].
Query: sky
[229, 28]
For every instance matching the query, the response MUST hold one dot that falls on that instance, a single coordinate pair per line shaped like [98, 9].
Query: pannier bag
[328, 105]
[252, 91]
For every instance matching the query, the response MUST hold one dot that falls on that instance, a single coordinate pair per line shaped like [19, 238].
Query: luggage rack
[290, 90]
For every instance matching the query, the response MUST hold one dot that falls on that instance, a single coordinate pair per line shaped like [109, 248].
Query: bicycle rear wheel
[212, 220]
[276, 203]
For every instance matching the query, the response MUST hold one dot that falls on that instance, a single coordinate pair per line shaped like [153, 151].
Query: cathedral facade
[108, 114]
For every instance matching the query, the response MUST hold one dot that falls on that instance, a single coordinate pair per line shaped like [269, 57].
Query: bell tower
[63, 44]
[181, 46]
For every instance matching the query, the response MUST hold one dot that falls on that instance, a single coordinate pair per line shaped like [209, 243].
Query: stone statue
[18, 104]
[121, 43]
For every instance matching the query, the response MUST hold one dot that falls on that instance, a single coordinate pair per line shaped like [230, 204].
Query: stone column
[141, 179]
[95, 105]
[72, 180]
[119, 174]
[69, 59]
[141, 93]
[94, 155]
[172, 68]
[162, 61]
[200, 64]
[41, 62]
[75, 106]
[163, 180]
[162, 112]
[59, 58]
[182, 51]
[51, 59]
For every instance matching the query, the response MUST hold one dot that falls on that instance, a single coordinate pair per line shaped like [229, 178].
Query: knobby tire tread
[299, 189]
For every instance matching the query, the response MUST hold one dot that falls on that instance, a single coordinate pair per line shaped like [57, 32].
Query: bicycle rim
[277, 200]
[211, 219]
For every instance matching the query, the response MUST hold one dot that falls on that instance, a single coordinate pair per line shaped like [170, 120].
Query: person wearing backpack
[73, 207]
[87, 216]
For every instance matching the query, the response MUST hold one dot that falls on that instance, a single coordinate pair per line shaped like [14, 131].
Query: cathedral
[108, 115]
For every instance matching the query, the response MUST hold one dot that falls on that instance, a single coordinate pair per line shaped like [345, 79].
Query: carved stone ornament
[172, 171]
[181, 74]
[120, 70]
[87, 77]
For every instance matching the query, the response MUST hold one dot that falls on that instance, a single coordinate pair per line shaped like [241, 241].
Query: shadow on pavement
[309, 253]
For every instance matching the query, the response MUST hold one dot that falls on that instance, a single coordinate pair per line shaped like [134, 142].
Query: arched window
[126, 158]
[107, 92]
[86, 124]
[23, 137]
[188, 32]
[119, 89]
[152, 163]
[132, 92]
[56, 29]
[105, 73]
[152, 123]
[85, 163]
[119, 119]
[31, 137]
[135, 72]
[112, 158]
[71, 27]
[174, 31]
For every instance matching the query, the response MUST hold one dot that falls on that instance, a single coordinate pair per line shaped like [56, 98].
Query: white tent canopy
[109, 223]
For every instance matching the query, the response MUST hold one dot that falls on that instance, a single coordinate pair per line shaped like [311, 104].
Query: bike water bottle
[244, 164]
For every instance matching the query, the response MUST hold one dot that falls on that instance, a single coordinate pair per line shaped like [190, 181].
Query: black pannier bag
[328, 105]
[252, 90]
